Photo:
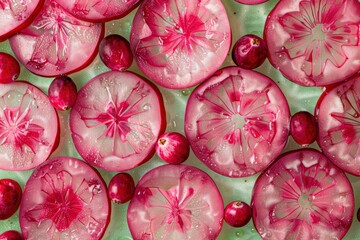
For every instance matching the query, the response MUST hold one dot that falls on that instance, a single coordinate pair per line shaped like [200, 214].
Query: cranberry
[121, 188]
[237, 214]
[303, 128]
[173, 148]
[115, 52]
[9, 68]
[10, 197]
[249, 52]
[62, 93]
[11, 235]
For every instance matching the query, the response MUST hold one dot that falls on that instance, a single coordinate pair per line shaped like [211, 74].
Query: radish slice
[99, 10]
[16, 15]
[339, 125]
[237, 122]
[302, 195]
[50, 45]
[116, 120]
[28, 126]
[314, 42]
[175, 202]
[179, 43]
[64, 199]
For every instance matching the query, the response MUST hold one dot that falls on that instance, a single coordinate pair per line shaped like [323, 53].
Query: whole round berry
[11, 235]
[10, 197]
[9, 68]
[303, 128]
[115, 52]
[121, 188]
[173, 147]
[249, 52]
[62, 93]
[237, 214]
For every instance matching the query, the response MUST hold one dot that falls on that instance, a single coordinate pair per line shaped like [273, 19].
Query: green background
[245, 19]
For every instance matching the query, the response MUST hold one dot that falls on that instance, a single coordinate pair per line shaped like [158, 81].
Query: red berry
[10, 197]
[11, 235]
[115, 52]
[237, 214]
[303, 128]
[121, 188]
[9, 68]
[249, 52]
[62, 93]
[173, 148]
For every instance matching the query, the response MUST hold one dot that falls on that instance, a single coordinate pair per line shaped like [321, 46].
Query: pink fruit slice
[56, 43]
[116, 120]
[339, 125]
[28, 126]
[179, 43]
[99, 10]
[314, 42]
[302, 195]
[16, 15]
[251, 2]
[237, 122]
[64, 198]
[175, 202]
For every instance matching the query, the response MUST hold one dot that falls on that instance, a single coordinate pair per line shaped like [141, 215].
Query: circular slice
[175, 202]
[56, 43]
[116, 120]
[178, 44]
[237, 122]
[338, 116]
[302, 195]
[28, 126]
[64, 198]
[16, 15]
[314, 42]
[98, 10]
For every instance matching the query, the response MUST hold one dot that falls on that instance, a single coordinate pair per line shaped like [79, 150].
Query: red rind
[24, 24]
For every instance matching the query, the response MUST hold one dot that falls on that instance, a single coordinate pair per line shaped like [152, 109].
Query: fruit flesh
[64, 198]
[178, 44]
[116, 120]
[175, 202]
[302, 195]
[49, 46]
[314, 43]
[338, 121]
[28, 126]
[237, 122]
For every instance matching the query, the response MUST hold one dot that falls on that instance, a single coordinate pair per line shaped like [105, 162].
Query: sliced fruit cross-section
[116, 120]
[28, 126]
[175, 202]
[56, 43]
[179, 43]
[98, 10]
[338, 116]
[237, 122]
[64, 198]
[314, 42]
[302, 195]
[16, 15]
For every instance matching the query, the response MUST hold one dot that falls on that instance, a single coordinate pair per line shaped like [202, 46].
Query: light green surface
[244, 19]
